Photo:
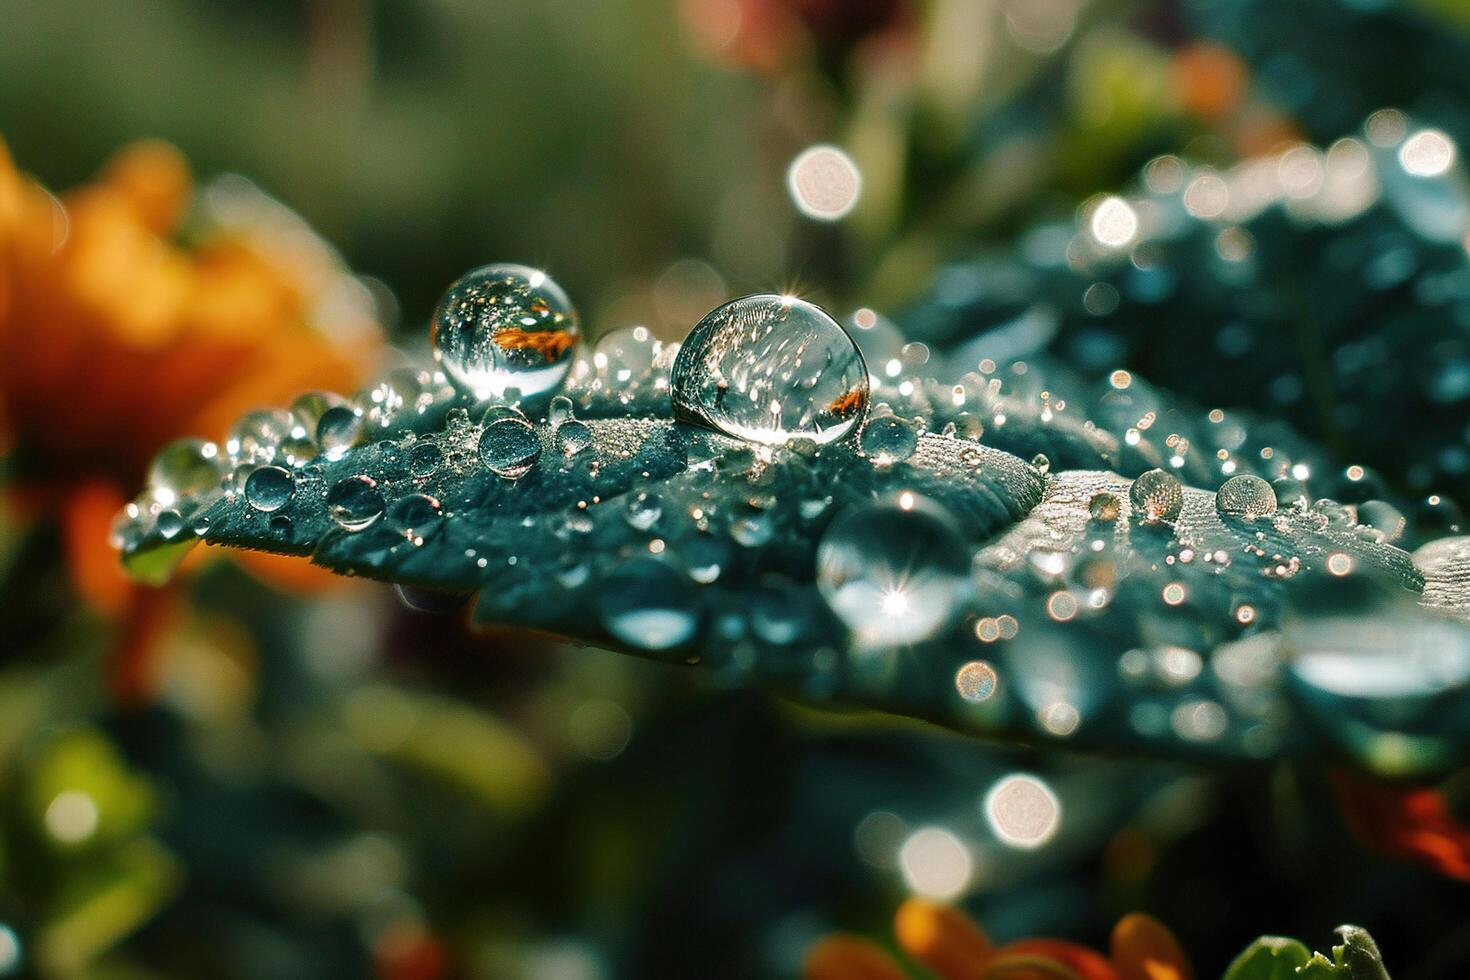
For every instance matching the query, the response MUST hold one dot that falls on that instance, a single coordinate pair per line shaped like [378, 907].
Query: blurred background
[263, 771]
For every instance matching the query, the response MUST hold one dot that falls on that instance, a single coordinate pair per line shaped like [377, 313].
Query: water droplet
[647, 604]
[1156, 496]
[1104, 507]
[625, 357]
[338, 430]
[504, 332]
[770, 368]
[1383, 517]
[416, 514]
[309, 408]
[355, 502]
[169, 524]
[888, 439]
[644, 510]
[560, 411]
[573, 437]
[269, 488]
[1245, 497]
[893, 571]
[186, 468]
[509, 448]
[424, 458]
[256, 436]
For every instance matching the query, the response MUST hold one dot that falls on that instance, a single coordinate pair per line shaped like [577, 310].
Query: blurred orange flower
[948, 943]
[134, 310]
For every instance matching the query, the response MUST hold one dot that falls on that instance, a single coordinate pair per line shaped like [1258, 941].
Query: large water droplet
[648, 604]
[509, 448]
[269, 488]
[769, 369]
[894, 571]
[1156, 496]
[186, 468]
[504, 332]
[355, 502]
[1245, 497]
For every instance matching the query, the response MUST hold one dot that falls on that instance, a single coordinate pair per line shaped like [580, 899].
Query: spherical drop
[888, 439]
[269, 488]
[1245, 497]
[770, 369]
[505, 332]
[647, 604]
[186, 468]
[338, 430]
[355, 503]
[1156, 496]
[509, 448]
[894, 571]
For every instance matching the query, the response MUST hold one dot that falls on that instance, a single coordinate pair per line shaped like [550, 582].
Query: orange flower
[947, 942]
[116, 338]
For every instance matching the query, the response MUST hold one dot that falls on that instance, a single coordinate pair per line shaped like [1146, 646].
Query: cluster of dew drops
[772, 372]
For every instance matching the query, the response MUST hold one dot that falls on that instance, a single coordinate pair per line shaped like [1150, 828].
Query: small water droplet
[1156, 496]
[424, 458]
[416, 514]
[888, 439]
[561, 410]
[269, 488]
[170, 523]
[509, 447]
[644, 510]
[256, 436]
[338, 430]
[355, 502]
[893, 571]
[769, 368]
[1041, 462]
[1104, 507]
[573, 437]
[504, 332]
[1245, 497]
[647, 604]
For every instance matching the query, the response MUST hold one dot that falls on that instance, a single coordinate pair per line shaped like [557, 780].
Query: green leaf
[1269, 958]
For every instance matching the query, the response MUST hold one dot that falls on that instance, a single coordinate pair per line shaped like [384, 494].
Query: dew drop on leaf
[1104, 507]
[338, 430]
[647, 604]
[504, 332]
[1245, 497]
[256, 436]
[888, 439]
[893, 571]
[269, 488]
[572, 437]
[355, 502]
[769, 369]
[1156, 496]
[186, 468]
[509, 448]
[424, 458]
